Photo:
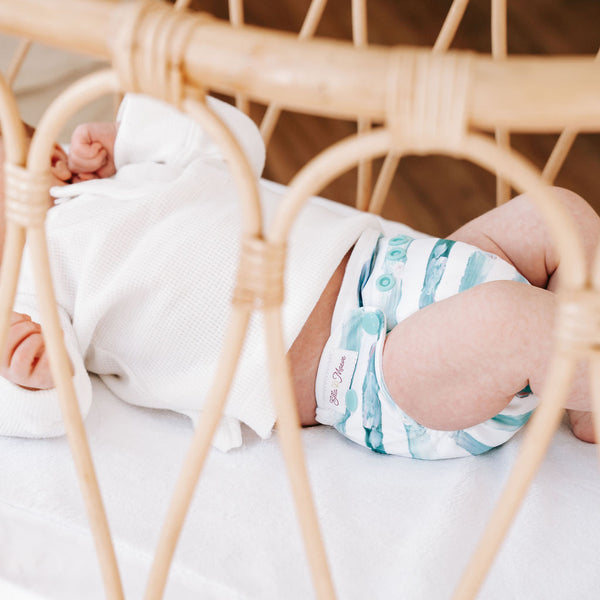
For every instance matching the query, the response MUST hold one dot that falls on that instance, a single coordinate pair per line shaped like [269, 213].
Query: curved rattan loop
[238, 164]
[480, 150]
[477, 148]
[75, 97]
[322, 169]
[11, 126]
[48, 130]
[259, 284]
[15, 154]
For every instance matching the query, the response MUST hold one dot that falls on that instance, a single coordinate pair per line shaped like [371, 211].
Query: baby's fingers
[21, 326]
[29, 365]
[59, 164]
[61, 171]
[25, 360]
[90, 161]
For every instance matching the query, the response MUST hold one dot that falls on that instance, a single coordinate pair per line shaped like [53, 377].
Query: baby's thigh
[460, 361]
[517, 232]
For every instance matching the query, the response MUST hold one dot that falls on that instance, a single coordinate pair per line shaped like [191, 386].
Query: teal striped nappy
[387, 279]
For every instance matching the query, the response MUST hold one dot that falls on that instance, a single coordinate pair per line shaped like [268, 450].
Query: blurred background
[435, 194]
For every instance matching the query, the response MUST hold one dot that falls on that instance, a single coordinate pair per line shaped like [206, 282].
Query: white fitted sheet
[393, 527]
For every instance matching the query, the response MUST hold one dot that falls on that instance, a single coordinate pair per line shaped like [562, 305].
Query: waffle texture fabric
[144, 266]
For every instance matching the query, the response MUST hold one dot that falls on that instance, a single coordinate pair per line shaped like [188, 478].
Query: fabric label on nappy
[340, 368]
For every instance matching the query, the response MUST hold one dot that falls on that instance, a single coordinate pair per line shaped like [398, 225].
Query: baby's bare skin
[470, 354]
[26, 361]
[487, 364]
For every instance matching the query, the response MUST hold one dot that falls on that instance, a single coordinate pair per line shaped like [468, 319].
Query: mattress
[393, 527]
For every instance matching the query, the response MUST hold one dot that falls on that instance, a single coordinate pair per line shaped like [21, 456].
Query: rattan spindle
[499, 52]
[561, 150]
[182, 4]
[27, 201]
[309, 26]
[365, 168]
[236, 18]
[392, 160]
[450, 25]
[17, 61]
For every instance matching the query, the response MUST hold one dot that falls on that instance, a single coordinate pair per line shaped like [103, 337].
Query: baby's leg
[459, 362]
[517, 232]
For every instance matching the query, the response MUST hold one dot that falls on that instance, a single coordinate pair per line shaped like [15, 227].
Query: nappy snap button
[398, 240]
[385, 283]
[371, 323]
[396, 254]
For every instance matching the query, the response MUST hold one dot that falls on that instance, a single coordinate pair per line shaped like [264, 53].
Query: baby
[406, 344]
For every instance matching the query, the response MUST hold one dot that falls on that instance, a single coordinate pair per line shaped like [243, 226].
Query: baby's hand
[59, 166]
[25, 360]
[91, 154]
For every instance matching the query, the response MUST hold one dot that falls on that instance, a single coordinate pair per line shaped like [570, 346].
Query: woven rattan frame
[427, 102]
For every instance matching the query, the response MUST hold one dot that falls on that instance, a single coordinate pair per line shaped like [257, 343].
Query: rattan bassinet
[405, 100]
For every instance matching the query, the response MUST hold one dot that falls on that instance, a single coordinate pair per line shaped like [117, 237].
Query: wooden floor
[435, 194]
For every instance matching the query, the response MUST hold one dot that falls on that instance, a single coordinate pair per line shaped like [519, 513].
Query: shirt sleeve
[37, 413]
[151, 130]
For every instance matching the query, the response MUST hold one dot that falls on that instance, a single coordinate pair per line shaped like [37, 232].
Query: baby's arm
[91, 153]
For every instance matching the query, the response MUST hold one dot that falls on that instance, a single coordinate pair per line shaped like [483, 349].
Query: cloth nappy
[386, 280]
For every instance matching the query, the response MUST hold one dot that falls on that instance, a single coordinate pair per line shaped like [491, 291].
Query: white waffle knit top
[144, 266]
